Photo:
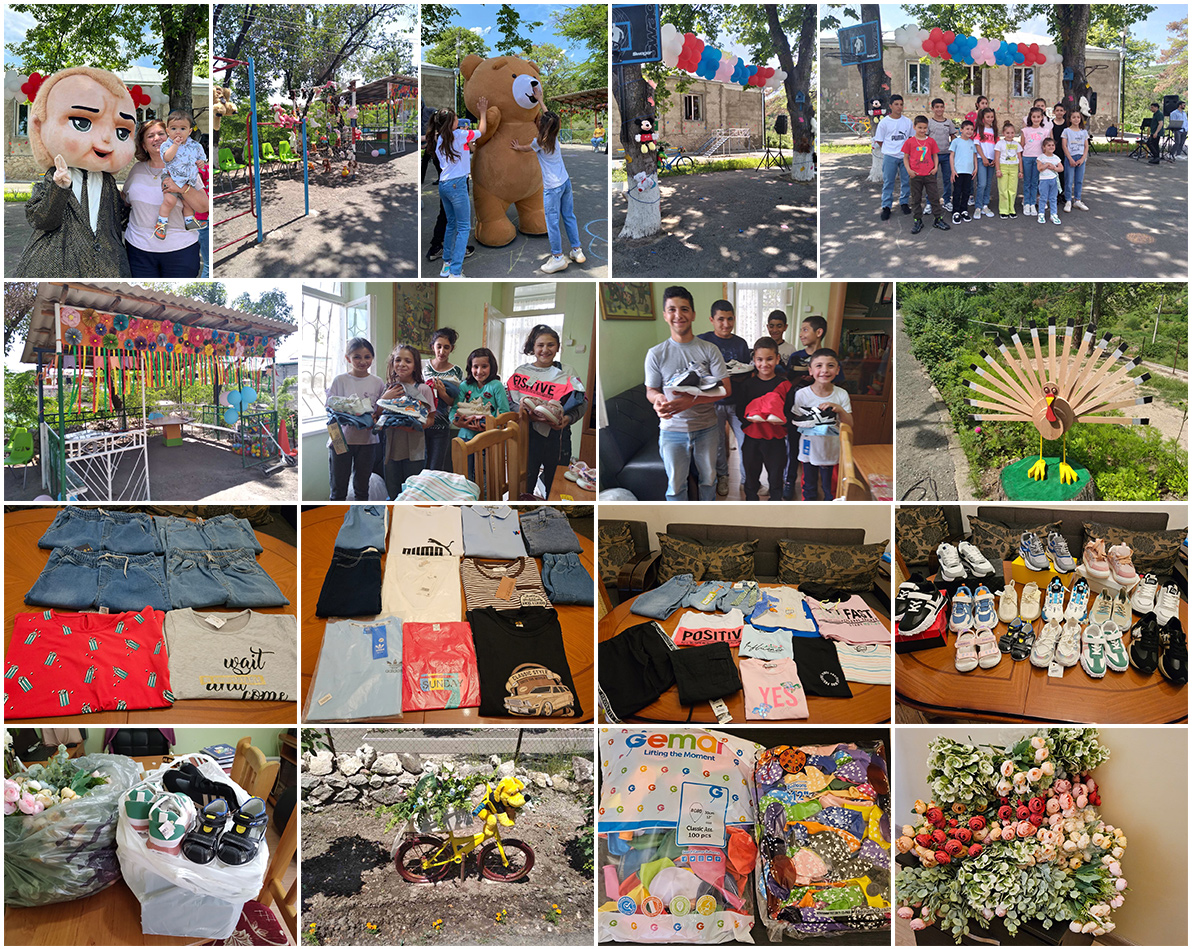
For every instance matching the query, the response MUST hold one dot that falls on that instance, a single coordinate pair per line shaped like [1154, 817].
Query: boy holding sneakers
[819, 445]
[687, 430]
[734, 349]
[760, 402]
[920, 154]
[811, 337]
[942, 129]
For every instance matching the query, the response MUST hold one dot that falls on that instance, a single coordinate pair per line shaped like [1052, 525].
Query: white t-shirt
[786, 612]
[821, 450]
[143, 187]
[554, 173]
[426, 531]
[246, 655]
[1076, 139]
[1009, 151]
[986, 140]
[891, 133]
[1047, 173]
[461, 167]
[422, 589]
[766, 644]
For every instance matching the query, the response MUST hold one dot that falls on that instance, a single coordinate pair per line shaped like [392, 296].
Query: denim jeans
[396, 473]
[705, 596]
[547, 530]
[566, 580]
[363, 526]
[892, 166]
[1049, 189]
[222, 532]
[1074, 181]
[454, 195]
[726, 412]
[120, 531]
[824, 473]
[352, 586]
[946, 174]
[438, 449]
[555, 202]
[660, 602]
[744, 597]
[204, 578]
[1030, 180]
[984, 183]
[83, 579]
[678, 450]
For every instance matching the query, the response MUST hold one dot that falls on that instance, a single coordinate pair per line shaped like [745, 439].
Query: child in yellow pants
[1007, 158]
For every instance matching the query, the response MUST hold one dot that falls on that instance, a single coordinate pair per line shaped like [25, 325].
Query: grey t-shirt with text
[666, 359]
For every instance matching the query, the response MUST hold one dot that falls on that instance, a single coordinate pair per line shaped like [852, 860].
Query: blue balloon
[741, 73]
[231, 416]
[709, 62]
[1019, 58]
[233, 397]
[248, 395]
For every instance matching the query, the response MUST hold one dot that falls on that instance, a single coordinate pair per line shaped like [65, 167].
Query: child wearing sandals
[183, 156]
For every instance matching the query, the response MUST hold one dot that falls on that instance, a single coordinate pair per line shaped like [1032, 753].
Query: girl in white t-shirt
[986, 139]
[405, 447]
[453, 147]
[1076, 143]
[557, 198]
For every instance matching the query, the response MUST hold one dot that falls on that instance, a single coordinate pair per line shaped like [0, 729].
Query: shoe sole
[950, 575]
[1094, 675]
[978, 572]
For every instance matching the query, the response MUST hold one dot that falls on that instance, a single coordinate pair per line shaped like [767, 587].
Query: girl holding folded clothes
[360, 383]
[412, 398]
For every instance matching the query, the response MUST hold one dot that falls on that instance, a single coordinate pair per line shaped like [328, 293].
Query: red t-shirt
[921, 154]
[439, 667]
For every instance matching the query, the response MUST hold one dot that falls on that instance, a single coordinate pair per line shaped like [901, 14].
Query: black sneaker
[1173, 663]
[885, 214]
[906, 208]
[965, 216]
[1144, 645]
[1012, 215]
[470, 251]
[917, 226]
[434, 253]
[1022, 640]
[1003, 216]
[956, 218]
[942, 224]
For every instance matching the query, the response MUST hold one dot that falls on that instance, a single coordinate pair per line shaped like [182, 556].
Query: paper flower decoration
[152, 340]
[162, 339]
[110, 341]
[69, 316]
[141, 344]
[101, 327]
[134, 324]
[169, 347]
[129, 343]
[72, 337]
[167, 326]
[119, 322]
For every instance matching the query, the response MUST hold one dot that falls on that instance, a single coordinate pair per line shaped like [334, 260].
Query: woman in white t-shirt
[453, 147]
[556, 192]
[1076, 142]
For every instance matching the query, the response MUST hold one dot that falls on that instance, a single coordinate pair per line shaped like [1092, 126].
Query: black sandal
[187, 779]
[200, 844]
[240, 842]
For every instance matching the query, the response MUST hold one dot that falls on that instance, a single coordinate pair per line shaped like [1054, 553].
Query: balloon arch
[971, 50]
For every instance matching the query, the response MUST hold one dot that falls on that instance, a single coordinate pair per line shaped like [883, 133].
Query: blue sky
[15, 26]
[481, 18]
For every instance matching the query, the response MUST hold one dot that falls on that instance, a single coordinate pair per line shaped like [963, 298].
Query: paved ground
[359, 227]
[725, 224]
[523, 257]
[1136, 228]
[925, 468]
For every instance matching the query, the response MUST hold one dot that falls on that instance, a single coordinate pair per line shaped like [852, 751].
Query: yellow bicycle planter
[426, 858]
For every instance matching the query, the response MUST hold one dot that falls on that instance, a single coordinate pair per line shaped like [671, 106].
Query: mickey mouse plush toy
[645, 134]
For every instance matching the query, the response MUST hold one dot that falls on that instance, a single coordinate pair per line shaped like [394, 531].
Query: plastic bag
[68, 851]
[675, 828]
[823, 831]
[180, 898]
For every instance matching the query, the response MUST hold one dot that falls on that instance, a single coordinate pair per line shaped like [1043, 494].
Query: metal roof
[595, 99]
[139, 302]
[370, 93]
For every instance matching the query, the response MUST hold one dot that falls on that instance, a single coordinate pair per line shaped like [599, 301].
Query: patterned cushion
[705, 562]
[918, 531]
[845, 567]
[999, 541]
[616, 547]
[1154, 551]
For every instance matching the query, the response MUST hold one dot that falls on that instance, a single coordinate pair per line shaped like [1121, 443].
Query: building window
[329, 320]
[693, 108]
[1024, 82]
[973, 83]
[514, 330]
[918, 79]
[21, 125]
[753, 301]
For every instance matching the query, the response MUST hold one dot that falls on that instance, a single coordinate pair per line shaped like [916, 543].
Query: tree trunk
[643, 216]
[1073, 20]
[798, 79]
[873, 83]
[178, 53]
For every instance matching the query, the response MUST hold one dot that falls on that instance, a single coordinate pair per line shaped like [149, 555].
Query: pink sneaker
[1096, 563]
[1121, 564]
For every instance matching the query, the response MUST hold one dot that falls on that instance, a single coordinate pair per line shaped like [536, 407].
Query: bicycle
[424, 858]
[679, 161]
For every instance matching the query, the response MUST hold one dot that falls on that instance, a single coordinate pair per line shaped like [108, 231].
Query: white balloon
[672, 44]
[12, 84]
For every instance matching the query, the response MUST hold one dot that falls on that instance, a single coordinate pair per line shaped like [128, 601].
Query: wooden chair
[285, 902]
[848, 486]
[499, 452]
[251, 771]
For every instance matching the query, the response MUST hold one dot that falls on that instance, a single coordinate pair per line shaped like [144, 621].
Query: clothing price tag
[505, 588]
[215, 621]
[380, 642]
[723, 716]
[1055, 670]
[325, 699]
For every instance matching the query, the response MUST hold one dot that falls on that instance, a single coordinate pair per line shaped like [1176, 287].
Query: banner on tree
[688, 52]
[971, 50]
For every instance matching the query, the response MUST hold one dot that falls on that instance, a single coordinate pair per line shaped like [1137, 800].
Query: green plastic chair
[227, 161]
[268, 155]
[19, 452]
[284, 153]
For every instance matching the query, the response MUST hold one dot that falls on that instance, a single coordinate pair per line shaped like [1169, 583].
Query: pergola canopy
[594, 99]
[370, 93]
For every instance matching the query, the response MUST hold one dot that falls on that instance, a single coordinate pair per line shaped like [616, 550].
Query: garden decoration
[971, 50]
[688, 52]
[1012, 833]
[1058, 389]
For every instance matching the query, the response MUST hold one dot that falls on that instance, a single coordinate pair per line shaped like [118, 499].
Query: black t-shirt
[523, 666]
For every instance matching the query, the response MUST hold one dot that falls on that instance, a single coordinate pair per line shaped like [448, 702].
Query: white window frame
[325, 330]
[915, 87]
[753, 301]
[690, 100]
[514, 330]
[975, 85]
[16, 120]
[1020, 74]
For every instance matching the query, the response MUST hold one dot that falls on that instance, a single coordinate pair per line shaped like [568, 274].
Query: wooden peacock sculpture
[1055, 391]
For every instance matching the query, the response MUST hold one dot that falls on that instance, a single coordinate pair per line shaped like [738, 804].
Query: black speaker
[1169, 104]
[780, 123]
[1092, 102]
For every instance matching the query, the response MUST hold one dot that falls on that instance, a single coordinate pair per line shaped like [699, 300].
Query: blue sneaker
[1053, 605]
[1057, 550]
[962, 610]
[1032, 552]
[1078, 603]
[983, 612]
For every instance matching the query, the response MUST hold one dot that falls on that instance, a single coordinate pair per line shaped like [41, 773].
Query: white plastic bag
[180, 898]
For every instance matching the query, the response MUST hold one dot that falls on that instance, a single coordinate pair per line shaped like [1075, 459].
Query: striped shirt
[438, 486]
[867, 663]
[482, 578]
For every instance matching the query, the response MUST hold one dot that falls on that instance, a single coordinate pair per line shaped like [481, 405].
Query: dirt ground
[359, 228]
[349, 881]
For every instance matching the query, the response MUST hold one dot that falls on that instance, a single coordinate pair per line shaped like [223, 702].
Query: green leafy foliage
[510, 26]
[433, 798]
[453, 44]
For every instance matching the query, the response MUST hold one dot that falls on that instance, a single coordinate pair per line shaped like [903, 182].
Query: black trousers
[542, 453]
[962, 189]
[356, 463]
[352, 586]
[767, 452]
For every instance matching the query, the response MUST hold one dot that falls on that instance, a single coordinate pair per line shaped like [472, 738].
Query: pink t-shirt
[772, 690]
[850, 621]
[1033, 137]
[700, 629]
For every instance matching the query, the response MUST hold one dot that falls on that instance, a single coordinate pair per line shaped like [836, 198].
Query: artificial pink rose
[1034, 775]
[10, 807]
[1117, 901]
[26, 803]
[1120, 883]
[1082, 801]
[1052, 806]
[1000, 909]
[1048, 768]
[905, 912]
[1026, 828]
[1066, 801]
[1008, 832]
[1090, 784]
[1078, 788]
[1115, 868]
[917, 924]
[1062, 785]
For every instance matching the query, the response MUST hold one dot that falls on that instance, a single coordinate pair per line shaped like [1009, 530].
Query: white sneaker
[1167, 603]
[1045, 643]
[555, 264]
[1102, 611]
[947, 205]
[976, 561]
[1143, 598]
[1030, 603]
[577, 255]
[1055, 219]
[988, 213]
[950, 566]
[445, 271]
[972, 201]
[1067, 205]
[927, 208]
[1007, 604]
[1078, 603]
[1053, 605]
[1042, 218]
[1081, 205]
[1030, 209]
[1067, 650]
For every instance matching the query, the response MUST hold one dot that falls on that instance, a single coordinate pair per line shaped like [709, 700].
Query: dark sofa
[629, 455]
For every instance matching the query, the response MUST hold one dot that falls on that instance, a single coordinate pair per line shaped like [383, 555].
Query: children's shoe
[1022, 640]
[1006, 640]
[950, 566]
[445, 270]
[1042, 218]
[1007, 603]
[1144, 645]
[587, 480]
[1167, 603]
[918, 605]
[956, 218]
[549, 410]
[1067, 650]
[1078, 602]
[988, 655]
[1102, 611]
[159, 229]
[190, 224]
[1092, 653]
[240, 842]
[917, 226]
[577, 255]
[1012, 215]
[171, 816]
[927, 207]
[1145, 595]
[988, 213]
[1121, 610]
[1121, 565]
[1003, 216]
[1031, 551]
[966, 652]
[906, 208]
[1045, 643]
[1095, 563]
[975, 562]
[556, 263]
[972, 200]
[965, 216]
[983, 611]
[574, 469]
[1028, 209]
[200, 845]
[885, 214]
[1053, 605]
[1058, 553]
[736, 368]
[942, 224]
[962, 611]
[1055, 219]
[1173, 659]
[1081, 205]
[1030, 602]
[947, 205]
[1116, 659]
[137, 802]
[1067, 206]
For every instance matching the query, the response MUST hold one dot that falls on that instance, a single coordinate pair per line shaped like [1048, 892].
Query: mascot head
[512, 85]
[85, 115]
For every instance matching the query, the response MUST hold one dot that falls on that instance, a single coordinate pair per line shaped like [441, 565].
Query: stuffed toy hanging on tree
[82, 129]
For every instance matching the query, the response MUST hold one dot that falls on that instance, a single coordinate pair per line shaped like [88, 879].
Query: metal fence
[533, 748]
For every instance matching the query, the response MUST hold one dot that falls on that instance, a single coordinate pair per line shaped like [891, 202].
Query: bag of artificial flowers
[823, 833]
[676, 836]
[60, 826]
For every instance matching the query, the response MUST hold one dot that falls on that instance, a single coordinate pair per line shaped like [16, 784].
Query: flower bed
[1013, 833]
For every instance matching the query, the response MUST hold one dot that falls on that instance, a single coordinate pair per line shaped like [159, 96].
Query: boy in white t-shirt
[892, 131]
[1006, 163]
[820, 453]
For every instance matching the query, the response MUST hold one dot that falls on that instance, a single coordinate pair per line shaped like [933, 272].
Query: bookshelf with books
[861, 328]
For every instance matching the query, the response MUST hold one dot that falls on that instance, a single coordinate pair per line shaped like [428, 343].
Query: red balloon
[1041, 59]
[949, 37]
[936, 35]
[944, 54]
[1022, 48]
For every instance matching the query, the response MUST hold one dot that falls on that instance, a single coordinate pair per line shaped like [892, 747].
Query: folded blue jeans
[547, 530]
[363, 526]
[566, 580]
[663, 600]
[705, 596]
[97, 529]
[84, 579]
[223, 532]
[204, 578]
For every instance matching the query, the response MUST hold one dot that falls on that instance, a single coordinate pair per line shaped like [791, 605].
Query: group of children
[1049, 154]
[760, 405]
[452, 147]
[458, 400]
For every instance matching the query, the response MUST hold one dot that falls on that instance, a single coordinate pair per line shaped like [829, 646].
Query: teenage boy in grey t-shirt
[943, 130]
[687, 430]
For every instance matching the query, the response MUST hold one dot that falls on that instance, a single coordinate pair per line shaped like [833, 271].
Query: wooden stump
[1015, 485]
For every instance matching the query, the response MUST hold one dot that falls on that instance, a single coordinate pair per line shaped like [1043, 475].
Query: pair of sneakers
[1058, 641]
[1110, 608]
[1116, 563]
[961, 560]
[1011, 607]
[1160, 646]
[557, 262]
[972, 610]
[548, 410]
[1054, 554]
[917, 605]
[1150, 597]
[1102, 649]
[167, 816]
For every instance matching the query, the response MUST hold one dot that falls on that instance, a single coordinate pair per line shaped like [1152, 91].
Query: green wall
[196, 739]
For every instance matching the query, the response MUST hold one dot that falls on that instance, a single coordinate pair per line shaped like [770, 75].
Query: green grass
[700, 168]
[11, 194]
[1165, 389]
[827, 148]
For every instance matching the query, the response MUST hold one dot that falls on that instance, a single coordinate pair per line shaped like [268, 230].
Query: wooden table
[24, 560]
[1011, 691]
[111, 917]
[869, 704]
[171, 428]
[319, 527]
[874, 460]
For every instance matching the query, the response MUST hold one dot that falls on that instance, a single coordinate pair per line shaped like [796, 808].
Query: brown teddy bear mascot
[500, 175]
[82, 129]
[223, 106]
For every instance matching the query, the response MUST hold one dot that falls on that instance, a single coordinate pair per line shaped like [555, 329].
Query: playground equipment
[393, 99]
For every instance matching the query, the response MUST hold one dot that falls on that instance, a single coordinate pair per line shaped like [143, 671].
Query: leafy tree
[453, 44]
[271, 304]
[20, 402]
[1174, 60]
[18, 308]
[1137, 89]
[435, 18]
[587, 24]
[875, 82]
[509, 23]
